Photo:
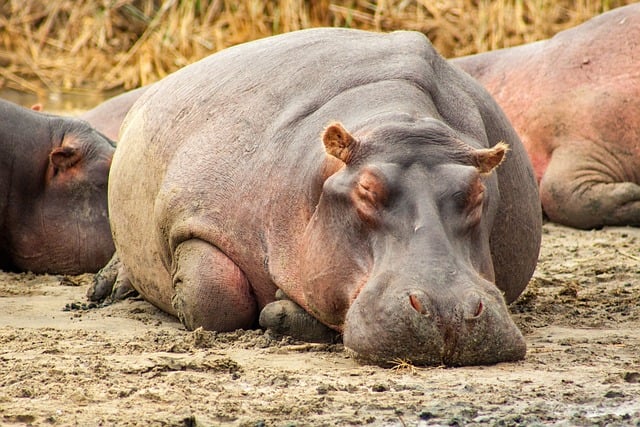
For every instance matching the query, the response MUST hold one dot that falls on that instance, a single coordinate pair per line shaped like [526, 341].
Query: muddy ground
[129, 364]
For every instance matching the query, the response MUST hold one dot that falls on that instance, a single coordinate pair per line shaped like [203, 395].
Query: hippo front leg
[111, 283]
[210, 289]
[587, 189]
[285, 317]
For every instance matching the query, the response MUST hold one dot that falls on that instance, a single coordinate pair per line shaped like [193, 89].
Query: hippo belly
[364, 179]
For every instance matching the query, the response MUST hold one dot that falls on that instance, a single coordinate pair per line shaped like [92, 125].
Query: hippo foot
[111, 283]
[285, 317]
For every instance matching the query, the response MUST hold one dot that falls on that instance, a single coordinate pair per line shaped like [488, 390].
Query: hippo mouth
[419, 329]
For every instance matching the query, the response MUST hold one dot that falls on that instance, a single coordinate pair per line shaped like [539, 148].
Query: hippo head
[397, 253]
[58, 215]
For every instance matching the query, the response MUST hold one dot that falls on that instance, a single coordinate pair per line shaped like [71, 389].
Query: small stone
[632, 377]
[426, 415]
[612, 394]
[379, 388]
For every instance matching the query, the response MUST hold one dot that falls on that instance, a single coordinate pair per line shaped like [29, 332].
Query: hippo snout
[452, 328]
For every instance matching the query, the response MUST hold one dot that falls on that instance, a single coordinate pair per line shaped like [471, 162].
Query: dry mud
[129, 364]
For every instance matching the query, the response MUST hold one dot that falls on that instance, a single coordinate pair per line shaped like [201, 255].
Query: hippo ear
[339, 143]
[488, 159]
[63, 157]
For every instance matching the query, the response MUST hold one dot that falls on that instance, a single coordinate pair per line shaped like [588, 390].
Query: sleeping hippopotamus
[575, 102]
[380, 188]
[53, 193]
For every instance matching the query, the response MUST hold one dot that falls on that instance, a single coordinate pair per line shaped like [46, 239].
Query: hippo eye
[460, 198]
[369, 195]
[467, 201]
[474, 202]
[475, 194]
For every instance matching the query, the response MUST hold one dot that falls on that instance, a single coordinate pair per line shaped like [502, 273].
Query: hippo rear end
[380, 188]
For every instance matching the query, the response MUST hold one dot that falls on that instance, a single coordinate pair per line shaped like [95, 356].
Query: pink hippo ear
[339, 143]
[37, 107]
[63, 157]
[488, 159]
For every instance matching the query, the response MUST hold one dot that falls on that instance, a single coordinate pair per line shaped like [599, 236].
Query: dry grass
[75, 45]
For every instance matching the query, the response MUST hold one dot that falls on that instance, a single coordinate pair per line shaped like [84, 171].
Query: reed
[99, 45]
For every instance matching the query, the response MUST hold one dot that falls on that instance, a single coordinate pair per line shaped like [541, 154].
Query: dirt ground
[129, 364]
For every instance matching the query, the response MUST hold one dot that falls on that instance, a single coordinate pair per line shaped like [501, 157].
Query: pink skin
[575, 102]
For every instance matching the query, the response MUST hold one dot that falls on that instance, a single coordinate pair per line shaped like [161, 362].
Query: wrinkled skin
[575, 102]
[108, 116]
[53, 193]
[364, 179]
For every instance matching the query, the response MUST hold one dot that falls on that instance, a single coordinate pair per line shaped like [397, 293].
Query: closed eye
[465, 199]
[460, 198]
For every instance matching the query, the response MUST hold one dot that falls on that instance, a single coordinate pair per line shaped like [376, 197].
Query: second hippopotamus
[53, 193]
[575, 102]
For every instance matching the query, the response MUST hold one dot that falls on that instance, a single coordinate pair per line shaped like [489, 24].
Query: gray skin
[575, 102]
[108, 116]
[53, 193]
[357, 172]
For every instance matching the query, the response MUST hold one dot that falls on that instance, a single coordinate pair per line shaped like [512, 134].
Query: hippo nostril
[415, 303]
[418, 305]
[475, 310]
[479, 309]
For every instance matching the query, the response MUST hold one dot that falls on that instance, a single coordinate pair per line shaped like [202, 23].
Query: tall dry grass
[75, 45]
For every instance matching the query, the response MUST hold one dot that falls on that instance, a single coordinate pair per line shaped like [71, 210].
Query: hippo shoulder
[416, 41]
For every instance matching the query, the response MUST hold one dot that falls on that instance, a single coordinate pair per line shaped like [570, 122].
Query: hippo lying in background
[53, 193]
[109, 115]
[575, 102]
[380, 188]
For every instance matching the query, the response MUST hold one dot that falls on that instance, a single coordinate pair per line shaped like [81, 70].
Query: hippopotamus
[107, 117]
[53, 193]
[377, 186]
[574, 100]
